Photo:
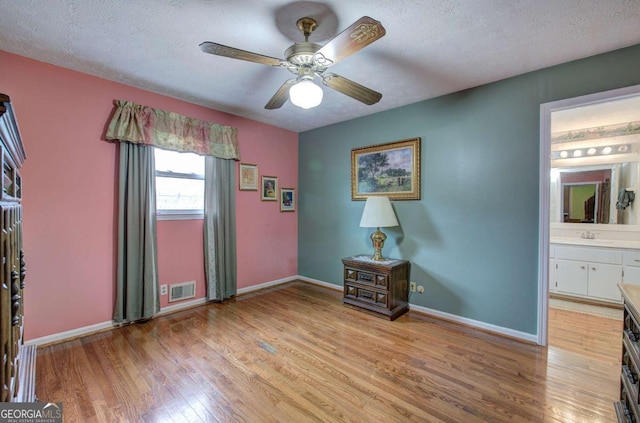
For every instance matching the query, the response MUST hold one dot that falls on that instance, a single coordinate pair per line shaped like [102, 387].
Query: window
[179, 185]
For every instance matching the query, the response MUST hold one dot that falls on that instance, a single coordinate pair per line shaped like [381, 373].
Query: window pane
[172, 161]
[179, 194]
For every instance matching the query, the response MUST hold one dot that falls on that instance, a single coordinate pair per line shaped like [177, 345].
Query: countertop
[631, 295]
[607, 243]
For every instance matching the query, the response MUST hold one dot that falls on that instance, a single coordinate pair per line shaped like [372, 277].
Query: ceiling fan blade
[359, 35]
[352, 89]
[236, 53]
[281, 96]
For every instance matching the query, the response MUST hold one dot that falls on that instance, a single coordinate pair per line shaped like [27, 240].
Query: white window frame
[178, 214]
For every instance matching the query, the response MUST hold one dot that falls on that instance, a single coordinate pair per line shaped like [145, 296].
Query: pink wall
[180, 257]
[70, 191]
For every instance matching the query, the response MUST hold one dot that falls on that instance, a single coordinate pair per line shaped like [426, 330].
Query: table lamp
[378, 213]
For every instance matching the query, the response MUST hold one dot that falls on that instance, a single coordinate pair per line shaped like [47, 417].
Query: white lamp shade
[378, 213]
[305, 94]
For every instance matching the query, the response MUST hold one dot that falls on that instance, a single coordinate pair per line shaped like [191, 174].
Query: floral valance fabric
[145, 125]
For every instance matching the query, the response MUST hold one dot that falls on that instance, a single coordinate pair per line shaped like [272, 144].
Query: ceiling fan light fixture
[305, 94]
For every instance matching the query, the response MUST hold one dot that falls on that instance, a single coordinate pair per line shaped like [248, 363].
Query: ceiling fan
[308, 60]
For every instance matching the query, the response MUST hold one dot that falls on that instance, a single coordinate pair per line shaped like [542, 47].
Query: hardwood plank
[296, 353]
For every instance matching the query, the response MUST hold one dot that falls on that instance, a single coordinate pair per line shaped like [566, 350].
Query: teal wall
[473, 237]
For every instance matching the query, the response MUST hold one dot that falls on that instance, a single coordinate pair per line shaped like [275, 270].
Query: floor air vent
[182, 291]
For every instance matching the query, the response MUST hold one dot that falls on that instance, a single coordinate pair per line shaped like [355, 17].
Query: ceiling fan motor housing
[301, 54]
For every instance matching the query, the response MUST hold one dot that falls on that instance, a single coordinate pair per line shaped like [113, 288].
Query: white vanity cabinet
[588, 272]
[631, 266]
[604, 280]
[571, 277]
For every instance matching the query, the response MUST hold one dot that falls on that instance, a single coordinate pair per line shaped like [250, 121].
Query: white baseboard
[62, 336]
[87, 330]
[289, 279]
[258, 287]
[446, 316]
[74, 333]
[180, 306]
[321, 283]
[524, 336]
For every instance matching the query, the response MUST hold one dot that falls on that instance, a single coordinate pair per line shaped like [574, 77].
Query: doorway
[590, 113]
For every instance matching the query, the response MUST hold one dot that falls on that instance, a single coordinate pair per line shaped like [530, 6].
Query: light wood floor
[296, 354]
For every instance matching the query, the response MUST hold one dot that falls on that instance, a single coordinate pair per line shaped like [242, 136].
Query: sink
[596, 242]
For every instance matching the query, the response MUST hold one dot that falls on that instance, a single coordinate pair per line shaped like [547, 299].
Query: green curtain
[220, 228]
[137, 296]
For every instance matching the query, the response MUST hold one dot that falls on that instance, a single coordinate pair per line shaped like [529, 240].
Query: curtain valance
[145, 125]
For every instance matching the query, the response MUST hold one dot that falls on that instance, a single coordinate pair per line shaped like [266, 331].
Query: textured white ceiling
[432, 47]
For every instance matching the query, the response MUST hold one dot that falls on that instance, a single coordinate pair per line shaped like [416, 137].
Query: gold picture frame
[391, 170]
[248, 176]
[269, 191]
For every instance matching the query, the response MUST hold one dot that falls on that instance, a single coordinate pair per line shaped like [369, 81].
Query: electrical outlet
[412, 286]
[163, 289]
[421, 289]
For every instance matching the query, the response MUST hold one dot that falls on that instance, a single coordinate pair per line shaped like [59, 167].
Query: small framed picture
[287, 200]
[269, 188]
[248, 177]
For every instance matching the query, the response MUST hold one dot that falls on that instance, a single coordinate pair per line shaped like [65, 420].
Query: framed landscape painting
[391, 170]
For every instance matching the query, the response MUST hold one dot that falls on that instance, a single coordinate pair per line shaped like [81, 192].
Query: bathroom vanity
[591, 269]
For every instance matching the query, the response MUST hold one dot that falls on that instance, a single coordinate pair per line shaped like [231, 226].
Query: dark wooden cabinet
[378, 286]
[628, 408]
[18, 361]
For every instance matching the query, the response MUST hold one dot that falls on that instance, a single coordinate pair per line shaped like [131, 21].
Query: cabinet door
[604, 280]
[631, 275]
[571, 276]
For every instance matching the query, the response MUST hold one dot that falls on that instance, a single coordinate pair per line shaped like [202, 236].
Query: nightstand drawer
[368, 295]
[366, 278]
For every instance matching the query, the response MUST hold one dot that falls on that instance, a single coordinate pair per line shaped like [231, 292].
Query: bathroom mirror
[588, 194]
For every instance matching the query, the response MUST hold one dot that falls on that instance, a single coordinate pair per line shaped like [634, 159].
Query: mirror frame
[556, 217]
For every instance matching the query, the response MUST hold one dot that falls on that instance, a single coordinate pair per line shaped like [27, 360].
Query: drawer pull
[365, 277]
[624, 409]
[630, 375]
[366, 294]
[632, 336]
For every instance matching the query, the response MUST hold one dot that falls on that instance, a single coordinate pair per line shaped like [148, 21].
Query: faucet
[588, 235]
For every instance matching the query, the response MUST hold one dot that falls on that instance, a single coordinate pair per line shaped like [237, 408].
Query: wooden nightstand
[378, 286]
